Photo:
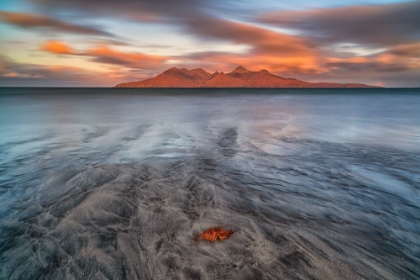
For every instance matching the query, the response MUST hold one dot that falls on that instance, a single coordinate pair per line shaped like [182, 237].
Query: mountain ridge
[240, 77]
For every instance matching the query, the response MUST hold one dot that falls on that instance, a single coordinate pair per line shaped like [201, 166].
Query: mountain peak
[240, 69]
[200, 71]
[171, 70]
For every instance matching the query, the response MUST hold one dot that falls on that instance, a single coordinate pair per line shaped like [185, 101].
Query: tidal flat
[115, 183]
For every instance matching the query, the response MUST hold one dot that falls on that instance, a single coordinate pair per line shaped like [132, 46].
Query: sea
[100, 183]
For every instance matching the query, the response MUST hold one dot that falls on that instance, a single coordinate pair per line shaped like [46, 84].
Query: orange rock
[212, 234]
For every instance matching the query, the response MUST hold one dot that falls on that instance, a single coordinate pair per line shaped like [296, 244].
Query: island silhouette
[238, 78]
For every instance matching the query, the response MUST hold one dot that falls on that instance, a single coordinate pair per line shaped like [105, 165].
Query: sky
[105, 42]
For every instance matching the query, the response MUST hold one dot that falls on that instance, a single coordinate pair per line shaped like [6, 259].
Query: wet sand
[117, 186]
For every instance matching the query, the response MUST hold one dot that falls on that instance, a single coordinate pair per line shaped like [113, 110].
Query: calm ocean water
[114, 184]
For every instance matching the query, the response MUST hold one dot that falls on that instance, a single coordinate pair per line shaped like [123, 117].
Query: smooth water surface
[114, 184]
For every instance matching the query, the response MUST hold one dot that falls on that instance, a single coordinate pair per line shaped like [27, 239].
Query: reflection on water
[115, 184]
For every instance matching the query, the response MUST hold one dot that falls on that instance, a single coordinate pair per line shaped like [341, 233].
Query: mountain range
[238, 78]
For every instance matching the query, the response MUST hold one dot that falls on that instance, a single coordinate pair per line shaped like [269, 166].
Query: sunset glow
[96, 43]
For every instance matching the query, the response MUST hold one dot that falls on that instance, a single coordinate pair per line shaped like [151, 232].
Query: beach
[115, 183]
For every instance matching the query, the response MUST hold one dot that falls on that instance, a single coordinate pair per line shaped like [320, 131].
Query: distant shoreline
[200, 88]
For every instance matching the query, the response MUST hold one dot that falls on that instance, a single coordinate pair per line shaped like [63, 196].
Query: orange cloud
[392, 60]
[105, 54]
[57, 47]
[281, 65]
[356, 59]
[281, 53]
[108, 55]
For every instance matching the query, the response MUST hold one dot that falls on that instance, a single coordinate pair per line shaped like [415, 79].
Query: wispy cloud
[376, 25]
[260, 39]
[32, 21]
[145, 11]
[391, 60]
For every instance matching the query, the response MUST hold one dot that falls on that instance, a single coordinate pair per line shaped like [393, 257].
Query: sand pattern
[125, 199]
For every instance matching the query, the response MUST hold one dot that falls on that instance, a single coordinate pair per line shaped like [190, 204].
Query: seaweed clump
[213, 234]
